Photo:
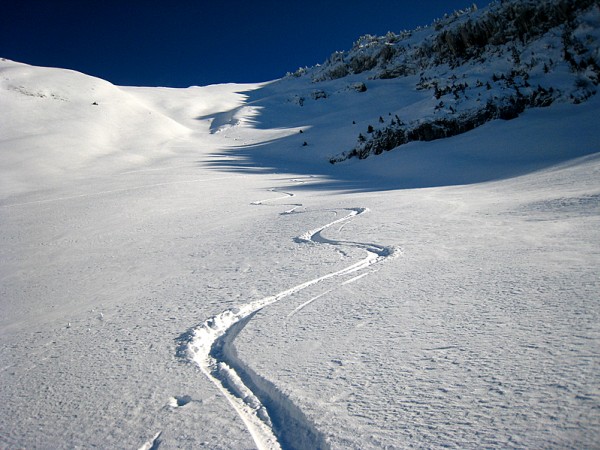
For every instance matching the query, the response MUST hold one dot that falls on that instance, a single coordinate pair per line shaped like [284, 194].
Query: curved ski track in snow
[153, 443]
[260, 405]
[286, 195]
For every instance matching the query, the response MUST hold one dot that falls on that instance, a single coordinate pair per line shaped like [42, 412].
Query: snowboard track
[271, 417]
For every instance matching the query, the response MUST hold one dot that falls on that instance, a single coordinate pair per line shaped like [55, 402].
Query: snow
[442, 295]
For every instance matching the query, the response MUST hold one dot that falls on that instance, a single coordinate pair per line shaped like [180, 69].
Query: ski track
[286, 195]
[209, 345]
[153, 443]
[305, 304]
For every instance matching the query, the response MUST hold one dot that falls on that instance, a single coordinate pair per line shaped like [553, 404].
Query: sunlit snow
[178, 270]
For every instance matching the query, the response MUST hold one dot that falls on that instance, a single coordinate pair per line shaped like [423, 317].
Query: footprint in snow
[179, 401]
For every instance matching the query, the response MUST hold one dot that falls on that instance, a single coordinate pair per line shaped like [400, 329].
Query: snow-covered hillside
[185, 268]
[473, 67]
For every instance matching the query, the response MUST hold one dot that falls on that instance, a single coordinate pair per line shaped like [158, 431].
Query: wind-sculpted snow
[270, 416]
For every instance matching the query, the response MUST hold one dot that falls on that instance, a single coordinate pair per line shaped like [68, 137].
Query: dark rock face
[397, 134]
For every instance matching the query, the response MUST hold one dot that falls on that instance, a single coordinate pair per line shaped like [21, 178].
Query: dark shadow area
[496, 150]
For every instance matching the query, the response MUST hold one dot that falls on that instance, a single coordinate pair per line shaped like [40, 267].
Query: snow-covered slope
[62, 121]
[179, 270]
[473, 67]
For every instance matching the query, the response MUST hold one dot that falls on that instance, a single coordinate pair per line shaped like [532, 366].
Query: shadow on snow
[500, 149]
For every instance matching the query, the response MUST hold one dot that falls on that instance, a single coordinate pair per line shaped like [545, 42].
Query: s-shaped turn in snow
[271, 418]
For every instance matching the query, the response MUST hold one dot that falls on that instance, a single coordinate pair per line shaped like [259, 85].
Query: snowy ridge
[271, 418]
[475, 66]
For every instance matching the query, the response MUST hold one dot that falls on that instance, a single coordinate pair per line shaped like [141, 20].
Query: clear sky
[180, 43]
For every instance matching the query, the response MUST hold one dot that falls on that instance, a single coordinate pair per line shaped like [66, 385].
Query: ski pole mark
[209, 346]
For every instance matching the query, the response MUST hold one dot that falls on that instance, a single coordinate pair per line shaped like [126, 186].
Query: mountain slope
[62, 121]
[474, 67]
[179, 270]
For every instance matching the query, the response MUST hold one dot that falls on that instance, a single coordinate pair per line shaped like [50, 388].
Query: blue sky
[183, 43]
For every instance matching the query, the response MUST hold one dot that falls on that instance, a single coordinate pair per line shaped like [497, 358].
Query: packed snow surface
[178, 270]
